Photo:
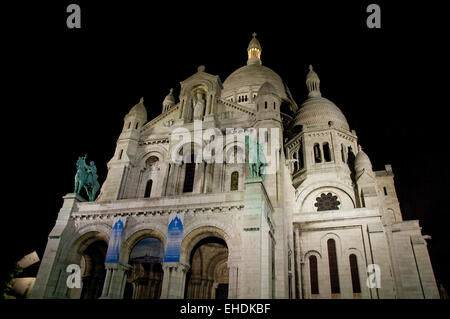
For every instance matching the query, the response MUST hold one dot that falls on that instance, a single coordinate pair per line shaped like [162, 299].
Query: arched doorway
[207, 277]
[145, 278]
[93, 269]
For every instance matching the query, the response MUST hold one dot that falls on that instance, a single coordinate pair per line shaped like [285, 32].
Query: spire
[313, 83]
[254, 51]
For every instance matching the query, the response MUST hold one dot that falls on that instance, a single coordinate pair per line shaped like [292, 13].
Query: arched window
[385, 191]
[189, 176]
[146, 273]
[129, 125]
[317, 153]
[274, 105]
[120, 155]
[137, 124]
[355, 274]
[234, 181]
[313, 275]
[148, 188]
[300, 157]
[265, 105]
[326, 152]
[332, 260]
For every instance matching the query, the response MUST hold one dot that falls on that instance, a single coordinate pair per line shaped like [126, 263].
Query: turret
[267, 103]
[365, 180]
[169, 101]
[118, 166]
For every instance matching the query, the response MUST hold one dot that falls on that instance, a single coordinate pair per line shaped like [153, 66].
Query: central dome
[252, 76]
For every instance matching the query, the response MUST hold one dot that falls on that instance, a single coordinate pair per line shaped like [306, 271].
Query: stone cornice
[198, 203]
[161, 140]
[109, 214]
[335, 215]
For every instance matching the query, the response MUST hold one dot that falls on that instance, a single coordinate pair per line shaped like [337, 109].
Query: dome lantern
[313, 83]
[254, 51]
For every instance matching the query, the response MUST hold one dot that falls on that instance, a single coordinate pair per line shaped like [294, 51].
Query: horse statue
[86, 177]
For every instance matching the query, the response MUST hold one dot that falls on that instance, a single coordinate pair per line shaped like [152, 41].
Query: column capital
[233, 263]
[177, 266]
[117, 266]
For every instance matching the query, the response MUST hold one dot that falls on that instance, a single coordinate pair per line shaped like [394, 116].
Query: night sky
[68, 91]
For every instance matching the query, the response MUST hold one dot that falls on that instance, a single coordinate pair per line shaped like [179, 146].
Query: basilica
[169, 222]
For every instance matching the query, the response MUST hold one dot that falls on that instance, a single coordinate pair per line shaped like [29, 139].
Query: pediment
[163, 122]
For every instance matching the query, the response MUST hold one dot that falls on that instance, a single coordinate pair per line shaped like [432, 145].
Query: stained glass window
[327, 202]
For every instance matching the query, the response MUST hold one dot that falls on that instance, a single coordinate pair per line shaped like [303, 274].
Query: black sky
[68, 90]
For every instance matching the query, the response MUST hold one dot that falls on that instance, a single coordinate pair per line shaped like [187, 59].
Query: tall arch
[89, 251]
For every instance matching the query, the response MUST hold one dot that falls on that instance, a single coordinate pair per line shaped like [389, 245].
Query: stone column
[199, 178]
[116, 276]
[233, 279]
[174, 280]
[299, 265]
[208, 104]
[164, 176]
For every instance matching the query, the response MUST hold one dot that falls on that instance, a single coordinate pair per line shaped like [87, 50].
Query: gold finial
[141, 100]
[254, 34]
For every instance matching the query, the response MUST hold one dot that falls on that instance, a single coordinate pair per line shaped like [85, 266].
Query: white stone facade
[275, 235]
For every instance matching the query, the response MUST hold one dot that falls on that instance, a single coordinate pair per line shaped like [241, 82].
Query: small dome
[253, 75]
[320, 112]
[139, 109]
[362, 161]
[267, 89]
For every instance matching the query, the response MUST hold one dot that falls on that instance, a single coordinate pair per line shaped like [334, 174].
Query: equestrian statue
[86, 177]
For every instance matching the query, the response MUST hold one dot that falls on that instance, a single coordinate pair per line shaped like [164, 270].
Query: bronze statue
[86, 177]
[256, 158]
